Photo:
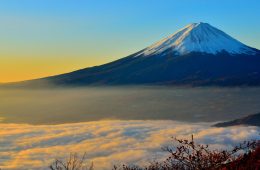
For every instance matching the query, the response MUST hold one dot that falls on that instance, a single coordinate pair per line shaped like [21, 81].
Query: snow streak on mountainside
[198, 37]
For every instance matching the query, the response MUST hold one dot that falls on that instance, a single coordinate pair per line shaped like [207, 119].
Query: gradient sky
[47, 37]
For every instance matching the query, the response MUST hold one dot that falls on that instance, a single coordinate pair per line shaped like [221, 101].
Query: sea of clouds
[106, 143]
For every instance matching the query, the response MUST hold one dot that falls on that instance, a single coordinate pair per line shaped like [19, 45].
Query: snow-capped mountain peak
[198, 37]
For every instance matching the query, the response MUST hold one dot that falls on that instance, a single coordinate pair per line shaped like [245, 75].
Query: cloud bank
[106, 142]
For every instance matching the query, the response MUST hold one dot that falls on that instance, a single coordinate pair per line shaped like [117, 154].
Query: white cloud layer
[105, 142]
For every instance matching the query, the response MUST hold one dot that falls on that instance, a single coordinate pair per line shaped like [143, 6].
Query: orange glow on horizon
[20, 69]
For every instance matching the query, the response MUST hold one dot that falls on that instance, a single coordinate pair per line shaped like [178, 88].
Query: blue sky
[84, 33]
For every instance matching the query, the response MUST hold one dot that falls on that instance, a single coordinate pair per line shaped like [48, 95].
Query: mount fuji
[197, 55]
[198, 37]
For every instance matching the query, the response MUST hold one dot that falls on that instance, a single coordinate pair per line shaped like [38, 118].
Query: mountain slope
[197, 55]
[251, 120]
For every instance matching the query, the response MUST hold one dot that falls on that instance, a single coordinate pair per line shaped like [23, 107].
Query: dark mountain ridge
[252, 120]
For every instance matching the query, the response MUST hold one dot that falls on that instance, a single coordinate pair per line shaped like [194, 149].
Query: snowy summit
[198, 37]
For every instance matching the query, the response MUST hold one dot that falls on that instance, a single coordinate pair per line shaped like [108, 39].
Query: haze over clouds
[105, 142]
[55, 106]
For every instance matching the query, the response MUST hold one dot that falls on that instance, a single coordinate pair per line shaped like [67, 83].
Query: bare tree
[74, 162]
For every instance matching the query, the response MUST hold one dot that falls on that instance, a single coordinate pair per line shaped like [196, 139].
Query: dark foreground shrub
[186, 155]
[248, 161]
